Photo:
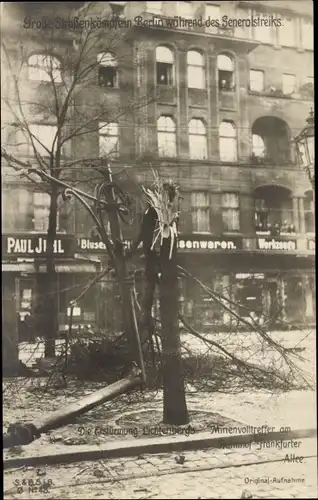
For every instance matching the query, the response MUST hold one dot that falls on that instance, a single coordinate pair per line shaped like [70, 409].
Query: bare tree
[66, 66]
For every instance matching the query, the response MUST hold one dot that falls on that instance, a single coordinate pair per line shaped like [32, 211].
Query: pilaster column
[296, 214]
[302, 228]
[309, 303]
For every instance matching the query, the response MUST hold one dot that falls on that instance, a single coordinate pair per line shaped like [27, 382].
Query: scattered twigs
[294, 371]
[243, 366]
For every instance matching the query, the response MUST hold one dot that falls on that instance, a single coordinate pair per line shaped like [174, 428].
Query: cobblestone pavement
[213, 473]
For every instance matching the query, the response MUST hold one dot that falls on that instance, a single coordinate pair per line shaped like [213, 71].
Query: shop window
[200, 204]
[228, 142]
[166, 130]
[256, 80]
[26, 299]
[289, 84]
[225, 73]
[107, 70]
[26, 330]
[248, 294]
[108, 140]
[196, 71]
[295, 305]
[231, 211]
[44, 68]
[197, 140]
[164, 66]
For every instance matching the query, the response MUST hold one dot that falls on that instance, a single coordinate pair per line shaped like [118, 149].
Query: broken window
[225, 72]
[107, 70]
[165, 66]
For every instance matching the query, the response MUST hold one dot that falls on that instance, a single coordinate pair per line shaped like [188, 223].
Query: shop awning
[72, 267]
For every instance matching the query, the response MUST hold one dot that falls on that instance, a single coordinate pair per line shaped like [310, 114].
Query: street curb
[154, 445]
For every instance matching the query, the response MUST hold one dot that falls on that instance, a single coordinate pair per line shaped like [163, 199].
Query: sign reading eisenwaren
[207, 242]
[35, 245]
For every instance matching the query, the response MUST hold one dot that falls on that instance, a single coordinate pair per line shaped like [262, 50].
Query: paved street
[203, 474]
[209, 473]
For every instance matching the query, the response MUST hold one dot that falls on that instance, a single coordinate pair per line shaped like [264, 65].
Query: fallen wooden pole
[20, 434]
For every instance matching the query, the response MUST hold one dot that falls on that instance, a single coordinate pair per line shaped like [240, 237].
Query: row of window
[166, 136]
[267, 220]
[293, 32]
[44, 67]
[289, 82]
[47, 68]
[165, 69]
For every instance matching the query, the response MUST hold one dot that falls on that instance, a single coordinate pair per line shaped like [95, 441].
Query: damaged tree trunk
[175, 408]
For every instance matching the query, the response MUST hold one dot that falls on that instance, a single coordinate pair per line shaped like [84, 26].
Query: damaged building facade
[229, 98]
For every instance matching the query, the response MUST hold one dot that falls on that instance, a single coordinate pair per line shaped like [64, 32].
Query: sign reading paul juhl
[35, 245]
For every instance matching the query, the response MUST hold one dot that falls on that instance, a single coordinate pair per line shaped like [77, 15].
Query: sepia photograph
[158, 250]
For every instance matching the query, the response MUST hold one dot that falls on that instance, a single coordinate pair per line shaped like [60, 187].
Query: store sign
[191, 242]
[311, 245]
[202, 242]
[273, 244]
[95, 246]
[36, 246]
[247, 276]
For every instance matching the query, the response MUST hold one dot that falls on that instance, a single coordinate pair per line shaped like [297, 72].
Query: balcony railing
[268, 229]
[267, 160]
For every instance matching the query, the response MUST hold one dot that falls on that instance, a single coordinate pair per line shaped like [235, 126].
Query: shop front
[24, 280]
[270, 281]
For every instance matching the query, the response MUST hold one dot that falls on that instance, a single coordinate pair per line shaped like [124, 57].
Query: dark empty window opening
[226, 80]
[107, 76]
[164, 73]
